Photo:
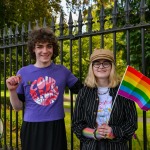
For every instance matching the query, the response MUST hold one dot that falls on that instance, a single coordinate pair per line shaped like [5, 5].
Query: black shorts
[43, 135]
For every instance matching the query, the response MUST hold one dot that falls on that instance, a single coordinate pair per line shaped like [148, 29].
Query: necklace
[102, 93]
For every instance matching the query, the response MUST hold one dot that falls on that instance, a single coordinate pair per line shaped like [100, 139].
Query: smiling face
[43, 52]
[102, 69]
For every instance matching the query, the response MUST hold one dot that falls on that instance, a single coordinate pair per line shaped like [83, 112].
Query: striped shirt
[123, 120]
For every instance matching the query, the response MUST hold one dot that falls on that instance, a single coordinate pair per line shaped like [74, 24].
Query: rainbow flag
[136, 87]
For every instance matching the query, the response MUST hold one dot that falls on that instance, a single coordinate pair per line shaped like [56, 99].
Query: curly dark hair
[42, 35]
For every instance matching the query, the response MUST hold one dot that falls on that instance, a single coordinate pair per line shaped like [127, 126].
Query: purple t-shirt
[43, 89]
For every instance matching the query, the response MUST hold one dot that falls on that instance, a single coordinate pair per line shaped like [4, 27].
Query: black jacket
[123, 119]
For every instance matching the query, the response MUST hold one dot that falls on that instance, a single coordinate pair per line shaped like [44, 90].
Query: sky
[74, 16]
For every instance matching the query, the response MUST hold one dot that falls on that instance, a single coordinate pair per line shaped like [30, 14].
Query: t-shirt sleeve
[71, 79]
[21, 97]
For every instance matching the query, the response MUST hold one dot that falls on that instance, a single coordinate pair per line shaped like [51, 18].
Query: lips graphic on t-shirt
[44, 91]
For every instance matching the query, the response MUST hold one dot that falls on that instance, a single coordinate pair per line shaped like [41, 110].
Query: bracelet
[110, 136]
[94, 133]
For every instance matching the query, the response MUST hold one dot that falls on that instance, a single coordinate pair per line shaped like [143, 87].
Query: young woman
[41, 86]
[102, 119]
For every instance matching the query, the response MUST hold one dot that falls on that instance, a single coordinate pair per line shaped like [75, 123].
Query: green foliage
[31, 10]
[135, 45]
[13, 59]
[17, 12]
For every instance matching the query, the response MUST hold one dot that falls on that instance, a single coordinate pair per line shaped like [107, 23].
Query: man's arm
[76, 87]
[12, 84]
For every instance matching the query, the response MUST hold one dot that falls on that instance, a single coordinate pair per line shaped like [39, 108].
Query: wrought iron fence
[116, 31]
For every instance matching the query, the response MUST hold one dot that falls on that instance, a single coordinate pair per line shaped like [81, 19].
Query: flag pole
[119, 88]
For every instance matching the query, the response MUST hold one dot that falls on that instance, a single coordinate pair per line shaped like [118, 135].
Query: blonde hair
[90, 79]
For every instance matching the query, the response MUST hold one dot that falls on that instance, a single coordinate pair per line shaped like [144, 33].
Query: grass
[137, 144]
[67, 104]
[68, 133]
[139, 111]
[13, 129]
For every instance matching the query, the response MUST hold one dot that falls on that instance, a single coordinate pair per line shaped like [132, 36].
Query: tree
[17, 12]
[135, 36]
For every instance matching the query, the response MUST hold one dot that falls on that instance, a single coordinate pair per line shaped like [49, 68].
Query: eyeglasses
[105, 64]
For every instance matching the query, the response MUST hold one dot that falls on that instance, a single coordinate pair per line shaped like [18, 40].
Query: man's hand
[13, 82]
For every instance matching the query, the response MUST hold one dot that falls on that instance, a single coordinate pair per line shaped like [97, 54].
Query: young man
[41, 86]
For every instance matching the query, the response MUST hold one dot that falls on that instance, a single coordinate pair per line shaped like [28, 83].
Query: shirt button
[94, 113]
[97, 98]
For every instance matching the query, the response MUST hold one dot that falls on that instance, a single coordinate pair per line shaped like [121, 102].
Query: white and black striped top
[123, 120]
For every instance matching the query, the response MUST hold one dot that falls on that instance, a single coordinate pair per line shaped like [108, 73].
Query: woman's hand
[105, 131]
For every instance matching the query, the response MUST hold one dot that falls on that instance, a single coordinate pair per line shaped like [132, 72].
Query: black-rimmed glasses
[105, 64]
